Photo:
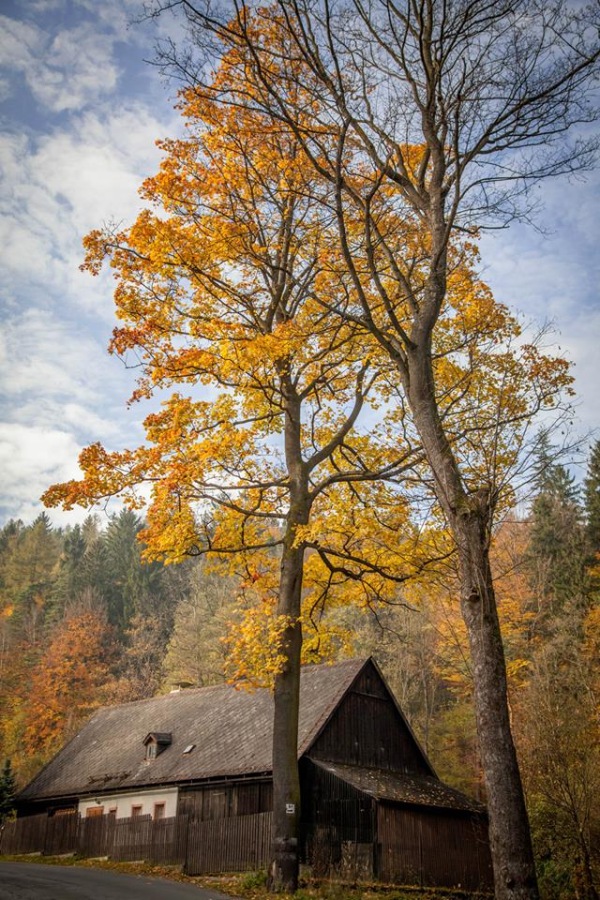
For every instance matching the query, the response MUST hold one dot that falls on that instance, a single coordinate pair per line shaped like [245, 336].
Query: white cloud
[64, 71]
[40, 352]
[114, 15]
[53, 190]
[5, 89]
[20, 42]
[31, 459]
[62, 390]
[78, 167]
[584, 332]
[554, 278]
[56, 373]
[44, 6]
[78, 69]
[61, 393]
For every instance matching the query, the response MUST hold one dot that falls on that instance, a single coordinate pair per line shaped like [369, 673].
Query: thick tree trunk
[468, 516]
[283, 871]
[510, 841]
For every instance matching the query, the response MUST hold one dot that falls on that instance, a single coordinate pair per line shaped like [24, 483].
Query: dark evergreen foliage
[592, 499]
[558, 552]
[8, 789]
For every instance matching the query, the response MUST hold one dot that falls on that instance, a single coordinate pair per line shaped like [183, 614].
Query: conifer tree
[592, 499]
[28, 574]
[8, 789]
[558, 547]
[130, 585]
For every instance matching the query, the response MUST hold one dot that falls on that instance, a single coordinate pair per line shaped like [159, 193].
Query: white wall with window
[160, 804]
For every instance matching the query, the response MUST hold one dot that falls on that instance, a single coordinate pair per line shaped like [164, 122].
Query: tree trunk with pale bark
[469, 516]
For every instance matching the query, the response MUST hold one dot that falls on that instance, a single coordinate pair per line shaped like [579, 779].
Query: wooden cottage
[371, 803]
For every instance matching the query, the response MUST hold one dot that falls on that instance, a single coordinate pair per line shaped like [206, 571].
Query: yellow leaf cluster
[284, 427]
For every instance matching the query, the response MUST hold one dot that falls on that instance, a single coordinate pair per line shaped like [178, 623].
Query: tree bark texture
[469, 516]
[510, 841]
[283, 871]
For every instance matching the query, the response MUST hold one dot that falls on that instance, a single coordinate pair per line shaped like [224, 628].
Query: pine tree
[557, 547]
[69, 580]
[592, 499]
[28, 575]
[8, 789]
[131, 587]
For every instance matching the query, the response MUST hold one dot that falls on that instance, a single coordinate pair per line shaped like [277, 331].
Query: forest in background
[85, 622]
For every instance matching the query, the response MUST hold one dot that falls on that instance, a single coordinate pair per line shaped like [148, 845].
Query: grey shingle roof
[401, 788]
[231, 729]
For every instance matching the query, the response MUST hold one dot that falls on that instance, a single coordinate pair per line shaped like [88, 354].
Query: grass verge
[252, 885]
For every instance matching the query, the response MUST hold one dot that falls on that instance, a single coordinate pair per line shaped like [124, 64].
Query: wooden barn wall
[330, 803]
[338, 825]
[367, 730]
[221, 801]
[433, 848]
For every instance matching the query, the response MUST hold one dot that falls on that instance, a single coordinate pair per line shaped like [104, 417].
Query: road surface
[31, 881]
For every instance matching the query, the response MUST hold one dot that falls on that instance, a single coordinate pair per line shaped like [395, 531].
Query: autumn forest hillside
[84, 622]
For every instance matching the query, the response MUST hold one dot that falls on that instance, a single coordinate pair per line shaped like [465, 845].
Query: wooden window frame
[93, 811]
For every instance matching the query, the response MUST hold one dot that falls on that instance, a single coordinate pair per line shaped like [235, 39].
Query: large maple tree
[278, 306]
[218, 285]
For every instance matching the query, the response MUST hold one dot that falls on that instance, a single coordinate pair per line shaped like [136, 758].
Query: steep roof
[231, 731]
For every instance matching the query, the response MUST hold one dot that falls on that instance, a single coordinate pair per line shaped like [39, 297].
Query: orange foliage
[67, 683]
[233, 285]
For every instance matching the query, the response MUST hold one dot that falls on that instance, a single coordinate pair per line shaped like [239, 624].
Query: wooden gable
[368, 729]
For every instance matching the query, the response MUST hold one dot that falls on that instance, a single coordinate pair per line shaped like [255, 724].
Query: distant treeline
[85, 622]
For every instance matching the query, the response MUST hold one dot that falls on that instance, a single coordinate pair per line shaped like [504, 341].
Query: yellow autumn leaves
[285, 427]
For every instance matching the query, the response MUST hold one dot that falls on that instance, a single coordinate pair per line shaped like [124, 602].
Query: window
[113, 812]
[136, 812]
[92, 811]
[155, 742]
[159, 811]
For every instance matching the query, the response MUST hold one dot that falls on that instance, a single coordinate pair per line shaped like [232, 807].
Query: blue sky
[80, 112]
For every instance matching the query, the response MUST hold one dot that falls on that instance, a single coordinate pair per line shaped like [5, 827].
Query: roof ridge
[228, 685]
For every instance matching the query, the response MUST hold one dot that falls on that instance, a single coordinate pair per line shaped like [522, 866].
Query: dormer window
[156, 742]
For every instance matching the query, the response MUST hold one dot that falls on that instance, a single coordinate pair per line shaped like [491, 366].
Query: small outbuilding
[372, 806]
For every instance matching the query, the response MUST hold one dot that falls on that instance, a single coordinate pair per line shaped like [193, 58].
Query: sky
[80, 111]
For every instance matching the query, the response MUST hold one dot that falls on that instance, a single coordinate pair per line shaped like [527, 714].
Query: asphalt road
[28, 881]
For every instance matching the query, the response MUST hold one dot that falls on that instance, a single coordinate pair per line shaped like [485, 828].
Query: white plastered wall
[124, 802]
